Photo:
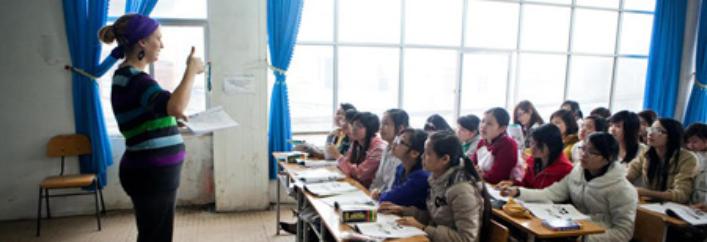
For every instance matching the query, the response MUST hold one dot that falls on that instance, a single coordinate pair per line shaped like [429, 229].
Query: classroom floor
[191, 224]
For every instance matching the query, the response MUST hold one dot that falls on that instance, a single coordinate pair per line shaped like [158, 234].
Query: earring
[141, 55]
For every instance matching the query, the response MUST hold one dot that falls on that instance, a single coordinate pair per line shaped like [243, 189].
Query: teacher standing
[146, 115]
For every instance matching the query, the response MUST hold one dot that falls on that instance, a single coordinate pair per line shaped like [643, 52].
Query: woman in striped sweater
[146, 115]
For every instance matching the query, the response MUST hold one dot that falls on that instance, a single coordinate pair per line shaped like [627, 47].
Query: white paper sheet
[329, 188]
[318, 175]
[357, 197]
[209, 121]
[495, 194]
[386, 227]
[690, 215]
[555, 211]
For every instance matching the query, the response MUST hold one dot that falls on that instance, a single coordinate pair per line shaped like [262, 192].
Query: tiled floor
[191, 224]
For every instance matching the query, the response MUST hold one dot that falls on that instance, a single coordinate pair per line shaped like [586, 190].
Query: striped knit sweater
[140, 107]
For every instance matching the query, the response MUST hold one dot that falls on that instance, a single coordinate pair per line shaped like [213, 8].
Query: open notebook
[690, 215]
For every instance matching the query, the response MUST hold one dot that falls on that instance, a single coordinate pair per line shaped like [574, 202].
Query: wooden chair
[62, 146]
[649, 227]
[499, 232]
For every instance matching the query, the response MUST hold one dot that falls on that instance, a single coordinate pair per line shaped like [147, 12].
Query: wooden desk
[534, 228]
[653, 226]
[330, 220]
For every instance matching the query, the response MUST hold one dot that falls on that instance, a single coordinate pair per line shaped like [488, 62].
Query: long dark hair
[527, 106]
[446, 143]
[632, 127]
[371, 124]
[657, 169]
[500, 114]
[400, 118]
[417, 143]
[605, 144]
[574, 108]
[569, 119]
[649, 116]
[549, 136]
[437, 123]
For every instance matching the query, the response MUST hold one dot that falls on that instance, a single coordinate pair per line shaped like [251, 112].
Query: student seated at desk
[468, 133]
[597, 187]
[394, 121]
[696, 141]
[436, 123]
[361, 162]
[497, 153]
[625, 127]
[458, 206]
[565, 120]
[337, 142]
[573, 106]
[525, 115]
[590, 125]
[646, 117]
[410, 186]
[666, 169]
[547, 164]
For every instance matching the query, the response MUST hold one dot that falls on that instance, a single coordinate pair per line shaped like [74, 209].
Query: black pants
[153, 192]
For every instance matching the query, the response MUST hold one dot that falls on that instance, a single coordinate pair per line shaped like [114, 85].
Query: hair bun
[107, 34]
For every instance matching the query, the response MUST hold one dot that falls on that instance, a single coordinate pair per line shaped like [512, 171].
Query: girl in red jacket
[497, 153]
[547, 164]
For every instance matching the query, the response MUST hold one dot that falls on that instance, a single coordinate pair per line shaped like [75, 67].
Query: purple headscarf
[139, 27]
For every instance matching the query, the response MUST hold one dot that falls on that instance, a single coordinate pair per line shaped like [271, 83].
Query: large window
[457, 57]
[183, 24]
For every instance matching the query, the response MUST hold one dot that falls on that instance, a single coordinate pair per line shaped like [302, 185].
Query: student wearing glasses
[410, 186]
[457, 204]
[362, 159]
[394, 121]
[597, 187]
[666, 169]
[525, 115]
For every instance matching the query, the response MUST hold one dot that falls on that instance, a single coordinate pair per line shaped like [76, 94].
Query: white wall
[237, 40]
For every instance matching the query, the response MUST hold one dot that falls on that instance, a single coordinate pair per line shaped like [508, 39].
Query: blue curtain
[697, 106]
[283, 24]
[83, 19]
[663, 77]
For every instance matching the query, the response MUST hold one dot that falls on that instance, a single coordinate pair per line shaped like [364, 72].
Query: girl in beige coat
[457, 204]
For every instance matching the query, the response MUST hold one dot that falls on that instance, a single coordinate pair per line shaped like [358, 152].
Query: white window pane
[636, 34]
[595, 31]
[644, 5]
[599, 3]
[369, 21]
[165, 9]
[545, 28]
[104, 84]
[317, 21]
[541, 79]
[310, 88]
[630, 83]
[492, 24]
[180, 9]
[484, 82]
[552, 1]
[368, 78]
[433, 22]
[590, 81]
[429, 83]
[169, 69]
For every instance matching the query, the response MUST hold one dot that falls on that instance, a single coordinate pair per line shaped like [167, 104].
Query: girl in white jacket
[598, 188]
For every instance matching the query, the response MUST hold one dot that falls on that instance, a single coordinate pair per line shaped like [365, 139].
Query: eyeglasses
[656, 130]
[588, 151]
